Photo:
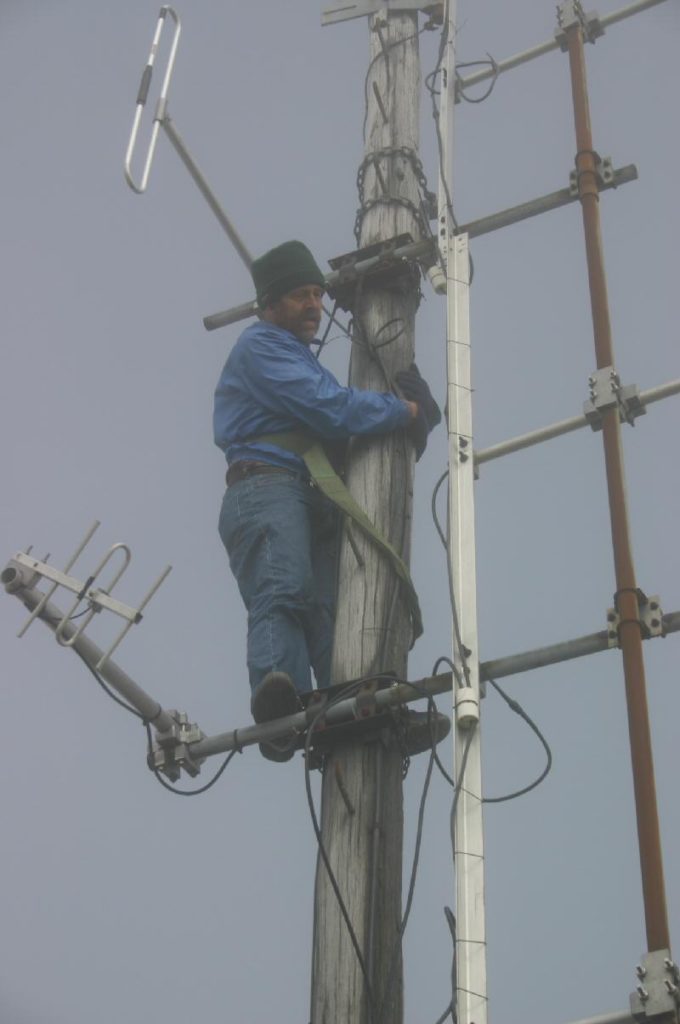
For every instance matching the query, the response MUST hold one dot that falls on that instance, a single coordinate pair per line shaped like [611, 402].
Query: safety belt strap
[330, 484]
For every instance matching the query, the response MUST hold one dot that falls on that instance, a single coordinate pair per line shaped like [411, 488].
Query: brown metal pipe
[649, 839]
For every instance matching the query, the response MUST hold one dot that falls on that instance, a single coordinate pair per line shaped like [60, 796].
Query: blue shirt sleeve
[271, 382]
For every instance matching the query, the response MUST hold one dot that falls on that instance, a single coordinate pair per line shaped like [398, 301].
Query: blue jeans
[281, 537]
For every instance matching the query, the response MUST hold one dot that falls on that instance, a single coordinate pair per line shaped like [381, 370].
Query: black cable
[384, 53]
[519, 710]
[107, 690]
[438, 762]
[187, 792]
[431, 712]
[456, 795]
[431, 88]
[319, 838]
[433, 506]
[133, 711]
[475, 63]
[332, 319]
[462, 649]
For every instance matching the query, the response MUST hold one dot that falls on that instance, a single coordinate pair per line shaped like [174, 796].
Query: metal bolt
[640, 971]
[654, 605]
[643, 993]
[612, 618]
[612, 634]
[656, 623]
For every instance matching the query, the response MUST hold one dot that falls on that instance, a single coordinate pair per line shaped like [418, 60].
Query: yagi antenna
[96, 599]
[161, 118]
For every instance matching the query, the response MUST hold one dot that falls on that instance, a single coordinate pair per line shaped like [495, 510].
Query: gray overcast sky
[119, 900]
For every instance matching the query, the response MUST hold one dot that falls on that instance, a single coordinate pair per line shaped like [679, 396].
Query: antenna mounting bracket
[345, 11]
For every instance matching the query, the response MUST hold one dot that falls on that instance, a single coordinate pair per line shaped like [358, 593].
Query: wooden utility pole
[362, 829]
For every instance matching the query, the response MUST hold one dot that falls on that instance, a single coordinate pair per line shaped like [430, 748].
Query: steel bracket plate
[345, 11]
[651, 619]
[571, 13]
[390, 270]
[605, 175]
[658, 993]
[606, 392]
[171, 751]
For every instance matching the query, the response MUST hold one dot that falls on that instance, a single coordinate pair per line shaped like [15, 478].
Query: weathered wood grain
[372, 626]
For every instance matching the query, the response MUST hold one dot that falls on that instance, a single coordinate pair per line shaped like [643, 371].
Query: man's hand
[416, 390]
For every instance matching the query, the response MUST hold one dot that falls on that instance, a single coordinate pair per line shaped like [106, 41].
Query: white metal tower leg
[469, 836]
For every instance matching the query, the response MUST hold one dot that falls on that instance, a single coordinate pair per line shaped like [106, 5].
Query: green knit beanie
[283, 269]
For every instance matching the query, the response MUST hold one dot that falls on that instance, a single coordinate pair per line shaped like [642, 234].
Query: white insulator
[467, 707]
[437, 279]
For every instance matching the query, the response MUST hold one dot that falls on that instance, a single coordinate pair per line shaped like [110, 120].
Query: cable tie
[86, 586]
[238, 747]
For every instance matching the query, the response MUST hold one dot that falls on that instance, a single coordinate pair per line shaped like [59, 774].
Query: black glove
[415, 389]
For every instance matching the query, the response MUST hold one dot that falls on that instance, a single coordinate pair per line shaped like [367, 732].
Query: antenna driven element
[30, 570]
[161, 117]
[142, 96]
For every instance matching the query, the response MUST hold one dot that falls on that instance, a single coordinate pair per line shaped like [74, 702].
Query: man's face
[298, 311]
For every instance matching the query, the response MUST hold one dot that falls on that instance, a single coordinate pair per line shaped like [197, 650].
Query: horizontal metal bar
[516, 444]
[551, 44]
[398, 693]
[414, 250]
[417, 250]
[552, 201]
[231, 316]
[403, 693]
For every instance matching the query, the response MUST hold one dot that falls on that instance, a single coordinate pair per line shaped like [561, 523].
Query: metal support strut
[573, 23]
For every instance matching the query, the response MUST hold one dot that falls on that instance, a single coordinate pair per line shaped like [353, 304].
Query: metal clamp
[571, 13]
[171, 752]
[607, 393]
[651, 619]
[658, 991]
[142, 95]
[604, 169]
[365, 8]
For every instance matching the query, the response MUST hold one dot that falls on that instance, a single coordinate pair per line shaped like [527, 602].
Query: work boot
[275, 697]
[421, 729]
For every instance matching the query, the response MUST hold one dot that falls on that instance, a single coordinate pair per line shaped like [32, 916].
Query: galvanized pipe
[627, 602]
[550, 44]
[515, 444]
[205, 190]
[150, 710]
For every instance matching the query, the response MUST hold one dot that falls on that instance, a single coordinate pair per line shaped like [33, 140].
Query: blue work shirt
[272, 383]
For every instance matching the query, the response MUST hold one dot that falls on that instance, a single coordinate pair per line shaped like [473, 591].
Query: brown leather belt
[245, 468]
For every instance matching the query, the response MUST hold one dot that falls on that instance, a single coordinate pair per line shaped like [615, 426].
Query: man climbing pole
[274, 404]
